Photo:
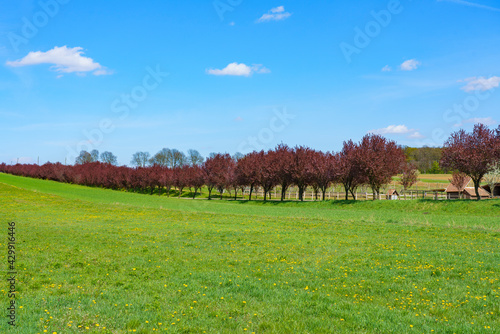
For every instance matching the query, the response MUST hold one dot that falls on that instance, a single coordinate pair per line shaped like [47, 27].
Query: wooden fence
[337, 194]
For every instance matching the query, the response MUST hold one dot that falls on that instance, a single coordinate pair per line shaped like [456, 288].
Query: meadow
[93, 260]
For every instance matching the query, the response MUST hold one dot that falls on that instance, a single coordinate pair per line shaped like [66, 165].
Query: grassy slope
[456, 213]
[128, 261]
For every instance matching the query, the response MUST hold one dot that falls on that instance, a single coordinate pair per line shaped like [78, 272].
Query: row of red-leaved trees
[373, 161]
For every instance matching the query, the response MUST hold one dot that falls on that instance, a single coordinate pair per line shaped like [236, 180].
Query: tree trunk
[250, 195]
[352, 193]
[209, 194]
[324, 191]
[283, 192]
[235, 193]
[476, 187]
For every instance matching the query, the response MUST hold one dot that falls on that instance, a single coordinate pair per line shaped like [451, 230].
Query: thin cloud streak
[472, 4]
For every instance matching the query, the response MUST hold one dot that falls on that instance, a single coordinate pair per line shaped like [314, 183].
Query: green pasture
[93, 260]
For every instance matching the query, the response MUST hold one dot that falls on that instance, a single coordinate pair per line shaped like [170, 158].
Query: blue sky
[231, 75]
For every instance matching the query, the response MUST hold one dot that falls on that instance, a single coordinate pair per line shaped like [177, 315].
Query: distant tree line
[373, 161]
[426, 159]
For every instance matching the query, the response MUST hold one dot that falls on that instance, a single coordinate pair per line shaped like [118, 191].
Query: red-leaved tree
[283, 167]
[380, 160]
[302, 170]
[217, 170]
[409, 175]
[324, 170]
[473, 154]
[350, 174]
[266, 173]
[247, 171]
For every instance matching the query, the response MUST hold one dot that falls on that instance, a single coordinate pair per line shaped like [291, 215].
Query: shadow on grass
[295, 202]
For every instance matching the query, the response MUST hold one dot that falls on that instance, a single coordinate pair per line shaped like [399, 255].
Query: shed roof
[472, 192]
[392, 192]
[452, 189]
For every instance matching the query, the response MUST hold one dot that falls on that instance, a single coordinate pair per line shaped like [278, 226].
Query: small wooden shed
[392, 194]
[453, 192]
[470, 193]
[466, 192]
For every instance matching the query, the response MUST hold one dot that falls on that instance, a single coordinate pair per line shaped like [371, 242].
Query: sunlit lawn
[98, 261]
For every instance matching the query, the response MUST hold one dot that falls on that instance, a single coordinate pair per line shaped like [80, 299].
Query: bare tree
[163, 158]
[194, 158]
[178, 159]
[238, 156]
[94, 155]
[109, 158]
[140, 159]
[83, 158]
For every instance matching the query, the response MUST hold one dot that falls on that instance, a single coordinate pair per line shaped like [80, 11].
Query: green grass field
[100, 261]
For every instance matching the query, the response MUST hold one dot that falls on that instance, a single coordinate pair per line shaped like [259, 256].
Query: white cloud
[63, 59]
[398, 130]
[392, 129]
[488, 121]
[480, 83]
[416, 135]
[275, 14]
[410, 65]
[236, 69]
[386, 68]
[279, 9]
